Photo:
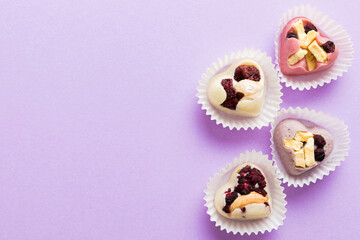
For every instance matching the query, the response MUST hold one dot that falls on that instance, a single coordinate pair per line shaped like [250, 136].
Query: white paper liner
[277, 194]
[336, 127]
[331, 29]
[272, 95]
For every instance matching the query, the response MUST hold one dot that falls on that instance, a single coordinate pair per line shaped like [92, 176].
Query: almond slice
[309, 152]
[303, 136]
[319, 53]
[293, 144]
[310, 61]
[310, 36]
[296, 57]
[300, 158]
[299, 29]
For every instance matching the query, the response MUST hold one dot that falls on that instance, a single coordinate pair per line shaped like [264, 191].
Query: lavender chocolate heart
[301, 145]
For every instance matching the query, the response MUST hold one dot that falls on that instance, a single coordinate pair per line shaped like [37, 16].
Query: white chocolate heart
[254, 91]
[254, 204]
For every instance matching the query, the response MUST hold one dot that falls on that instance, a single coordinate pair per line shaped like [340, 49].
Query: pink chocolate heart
[290, 45]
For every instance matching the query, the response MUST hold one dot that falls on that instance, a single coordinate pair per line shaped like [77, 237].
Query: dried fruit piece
[246, 169]
[226, 209]
[242, 179]
[246, 72]
[309, 26]
[329, 47]
[239, 96]
[319, 154]
[262, 184]
[231, 97]
[256, 178]
[319, 141]
[231, 198]
[261, 191]
[291, 34]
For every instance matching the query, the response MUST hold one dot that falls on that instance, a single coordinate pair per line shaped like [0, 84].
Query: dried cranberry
[242, 180]
[261, 191]
[329, 47]
[239, 187]
[247, 72]
[262, 184]
[319, 154]
[255, 178]
[228, 192]
[246, 169]
[226, 209]
[245, 191]
[291, 34]
[309, 26]
[231, 198]
[256, 172]
[319, 141]
[231, 98]
[242, 186]
[239, 96]
[243, 209]
[266, 204]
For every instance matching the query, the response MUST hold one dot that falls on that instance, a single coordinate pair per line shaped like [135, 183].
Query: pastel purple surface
[101, 133]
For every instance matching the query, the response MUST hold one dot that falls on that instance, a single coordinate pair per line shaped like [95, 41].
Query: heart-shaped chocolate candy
[240, 90]
[304, 49]
[301, 145]
[246, 195]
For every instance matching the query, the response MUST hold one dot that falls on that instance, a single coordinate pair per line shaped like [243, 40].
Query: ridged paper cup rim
[331, 29]
[277, 216]
[336, 127]
[272, 95]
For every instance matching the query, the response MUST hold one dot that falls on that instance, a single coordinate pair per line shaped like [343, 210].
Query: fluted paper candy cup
[272, 95]
[336, 127]
[273, 221]
[331, 29]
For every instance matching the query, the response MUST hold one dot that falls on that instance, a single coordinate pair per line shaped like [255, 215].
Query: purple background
[101, 133]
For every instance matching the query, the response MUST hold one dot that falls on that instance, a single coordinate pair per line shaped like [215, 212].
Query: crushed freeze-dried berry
[231, 97]
[247, 72]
